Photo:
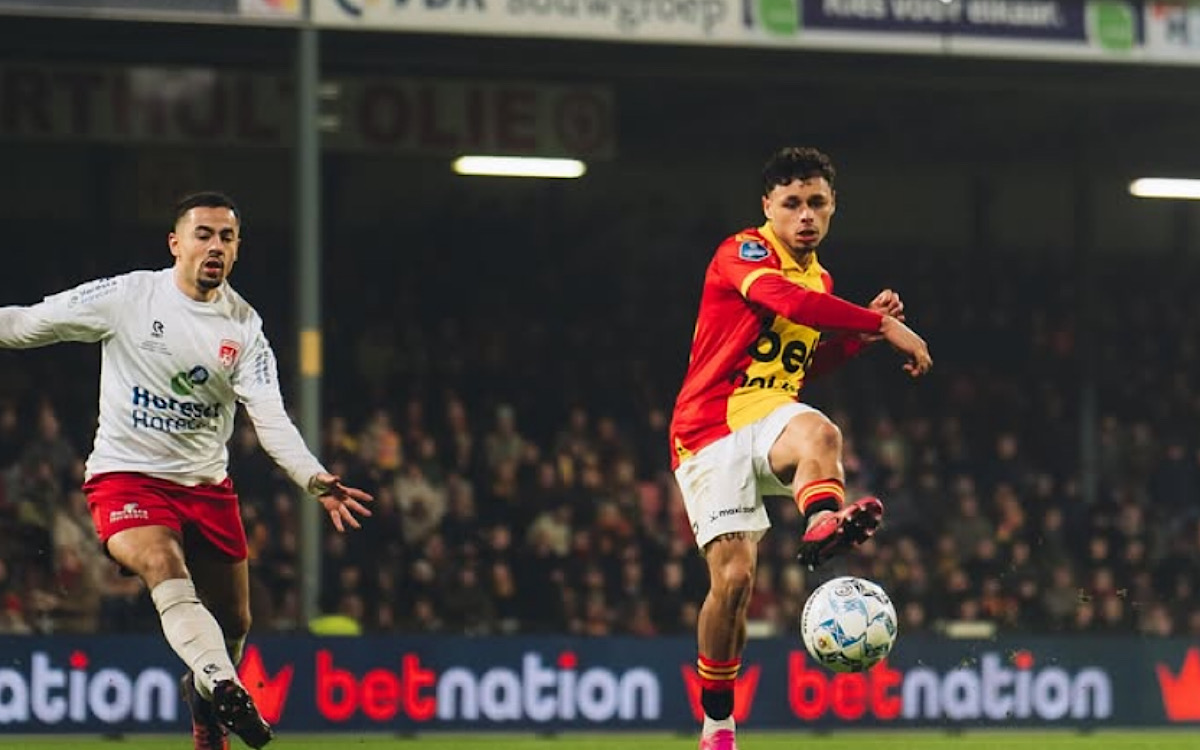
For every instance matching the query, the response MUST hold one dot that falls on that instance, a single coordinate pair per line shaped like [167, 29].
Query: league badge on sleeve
[753, 251]
[228, 352]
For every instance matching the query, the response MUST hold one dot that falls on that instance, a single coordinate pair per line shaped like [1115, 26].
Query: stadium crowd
[514, 435]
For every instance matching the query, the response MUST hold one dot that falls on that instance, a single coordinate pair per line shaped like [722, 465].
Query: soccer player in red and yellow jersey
[739, 432]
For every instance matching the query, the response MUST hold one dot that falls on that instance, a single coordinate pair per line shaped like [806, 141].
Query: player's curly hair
[796, 163]
[204, 199]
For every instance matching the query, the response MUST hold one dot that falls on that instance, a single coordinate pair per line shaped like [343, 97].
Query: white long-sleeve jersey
[172, 372]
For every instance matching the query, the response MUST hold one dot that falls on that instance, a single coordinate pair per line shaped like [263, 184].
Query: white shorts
[723, 485]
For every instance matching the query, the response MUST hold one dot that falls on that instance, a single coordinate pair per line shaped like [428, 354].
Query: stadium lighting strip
[1165, 187]
[519, 166]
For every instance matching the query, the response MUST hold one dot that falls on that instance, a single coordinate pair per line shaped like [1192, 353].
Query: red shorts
[206, 517]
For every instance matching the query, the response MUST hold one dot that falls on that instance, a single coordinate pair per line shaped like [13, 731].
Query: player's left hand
[341, 502]
[886, 302]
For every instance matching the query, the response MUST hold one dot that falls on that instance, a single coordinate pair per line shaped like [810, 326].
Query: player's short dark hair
[796, 163]
[204, 199]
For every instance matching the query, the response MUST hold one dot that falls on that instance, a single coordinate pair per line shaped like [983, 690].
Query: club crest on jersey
[754, 251]
[228, 352]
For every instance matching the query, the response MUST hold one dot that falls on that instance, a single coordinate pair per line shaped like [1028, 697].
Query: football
[848, 624]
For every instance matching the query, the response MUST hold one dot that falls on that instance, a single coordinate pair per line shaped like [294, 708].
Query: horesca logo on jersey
[531, 691]
[988, 689]
[152, 411]
[43, 693]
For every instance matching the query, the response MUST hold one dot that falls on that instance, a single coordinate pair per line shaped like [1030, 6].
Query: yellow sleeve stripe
[754, 276]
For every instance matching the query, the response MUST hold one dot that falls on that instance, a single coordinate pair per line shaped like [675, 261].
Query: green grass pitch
[749, 740]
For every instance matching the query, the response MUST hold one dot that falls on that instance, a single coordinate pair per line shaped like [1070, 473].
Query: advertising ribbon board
[414, 683]
[1098, 30]
[1172, 30]
[160, 10]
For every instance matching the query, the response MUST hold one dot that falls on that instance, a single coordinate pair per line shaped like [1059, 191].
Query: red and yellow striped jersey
[750, 351]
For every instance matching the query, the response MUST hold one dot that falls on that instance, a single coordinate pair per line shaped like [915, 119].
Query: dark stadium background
[1044, 480]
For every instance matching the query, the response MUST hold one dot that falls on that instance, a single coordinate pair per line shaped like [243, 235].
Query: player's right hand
[908, 343]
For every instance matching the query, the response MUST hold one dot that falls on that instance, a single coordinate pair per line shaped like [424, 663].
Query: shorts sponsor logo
[131, 512]
[716, 515]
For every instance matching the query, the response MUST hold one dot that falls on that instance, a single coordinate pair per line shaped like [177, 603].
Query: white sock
[712, 725]
[193, 633]
[235, 647]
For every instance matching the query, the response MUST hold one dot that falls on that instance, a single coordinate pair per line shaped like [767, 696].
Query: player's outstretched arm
[819, 310]
[835, 351]
[256, 382]
[25, 328]
[83, 314]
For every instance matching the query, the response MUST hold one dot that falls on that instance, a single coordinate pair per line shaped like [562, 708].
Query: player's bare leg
[808, 454]
[224, 588]
[731, 562]
[155, 554]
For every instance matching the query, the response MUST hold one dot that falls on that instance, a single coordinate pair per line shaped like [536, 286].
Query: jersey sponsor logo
[131, 512]
[153, 411]
[753, 251]
[771, 348]
[228, 352]
[743, 379]
[185, 382]
[156, 329]
[793, 356]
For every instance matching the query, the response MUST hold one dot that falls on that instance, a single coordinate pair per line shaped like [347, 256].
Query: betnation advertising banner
[1100, 30]
[388, 684]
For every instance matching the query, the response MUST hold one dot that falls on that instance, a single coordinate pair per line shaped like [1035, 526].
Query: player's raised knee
[827, 437]
[813, 434]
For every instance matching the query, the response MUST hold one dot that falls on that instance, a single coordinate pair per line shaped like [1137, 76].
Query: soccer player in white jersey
[180, 350]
